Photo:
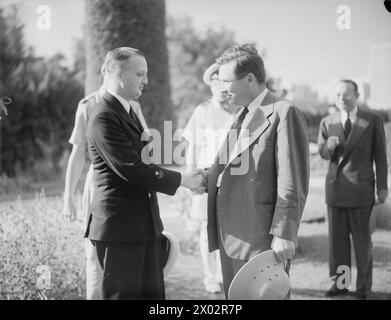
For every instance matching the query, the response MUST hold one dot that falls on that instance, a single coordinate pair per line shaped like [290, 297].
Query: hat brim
[207, 78]
[258, 266]
[172, 254]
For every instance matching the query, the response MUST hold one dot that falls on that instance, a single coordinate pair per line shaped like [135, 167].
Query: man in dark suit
[352, 139]
[124, 224]
[258, 185]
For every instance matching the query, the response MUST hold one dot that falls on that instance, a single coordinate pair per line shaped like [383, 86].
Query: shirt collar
[352, 115]
[101, 90]
[125, 104]
[257, 101]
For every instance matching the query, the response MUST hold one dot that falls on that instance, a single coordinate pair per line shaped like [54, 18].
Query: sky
[301, 39]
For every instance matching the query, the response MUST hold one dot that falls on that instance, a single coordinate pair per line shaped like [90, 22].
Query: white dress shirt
[352, 116]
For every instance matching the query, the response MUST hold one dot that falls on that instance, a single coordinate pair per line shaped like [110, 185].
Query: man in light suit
[353, 140]
[256, 191]
[124, 223]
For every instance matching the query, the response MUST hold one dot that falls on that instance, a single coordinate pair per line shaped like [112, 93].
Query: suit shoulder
[90, 98]
[370, 114]
[326, 119]
[283, 106]
[89, 102]
[203, 105]
[100, 110]
[200, 109]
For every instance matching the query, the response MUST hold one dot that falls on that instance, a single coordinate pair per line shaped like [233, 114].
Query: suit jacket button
[149, 195]
[159, 174]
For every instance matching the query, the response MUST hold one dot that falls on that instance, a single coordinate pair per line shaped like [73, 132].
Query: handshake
[196, 181]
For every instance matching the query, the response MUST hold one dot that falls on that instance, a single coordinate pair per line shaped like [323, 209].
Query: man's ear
[251, 77]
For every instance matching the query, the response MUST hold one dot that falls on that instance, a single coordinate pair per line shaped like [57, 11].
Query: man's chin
[137, 95]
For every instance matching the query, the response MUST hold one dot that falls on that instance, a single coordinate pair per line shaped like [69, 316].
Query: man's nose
[145, 80]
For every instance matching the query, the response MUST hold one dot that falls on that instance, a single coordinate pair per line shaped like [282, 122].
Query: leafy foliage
[44, 96]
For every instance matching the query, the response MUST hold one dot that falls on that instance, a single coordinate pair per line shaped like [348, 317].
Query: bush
[33, 234]
[16, 185]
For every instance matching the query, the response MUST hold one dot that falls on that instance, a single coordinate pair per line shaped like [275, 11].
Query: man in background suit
[256, 192]
[124, 224]
[352, 139]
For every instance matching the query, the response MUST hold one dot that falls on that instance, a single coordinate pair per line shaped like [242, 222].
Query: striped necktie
[234, 130]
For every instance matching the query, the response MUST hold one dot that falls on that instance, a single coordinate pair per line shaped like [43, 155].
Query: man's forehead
[344, 86]
[227, 70]
[136, 63]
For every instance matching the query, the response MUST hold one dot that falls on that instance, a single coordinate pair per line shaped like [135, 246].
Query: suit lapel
[335, 128]
[254, 128]
[120, 110]
[358, 128]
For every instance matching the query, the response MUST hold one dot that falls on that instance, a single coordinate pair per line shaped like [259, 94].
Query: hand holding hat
[284, 249]
[262, 278]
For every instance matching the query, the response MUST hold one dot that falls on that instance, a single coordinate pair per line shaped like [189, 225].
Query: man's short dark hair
[247, 61]
[348, 81]
[116, 58]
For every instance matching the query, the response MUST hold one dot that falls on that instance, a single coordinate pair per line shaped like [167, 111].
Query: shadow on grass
[312, 248]
[381, 256]
[380, 296]
[315, 248]
[320, 294]
[309, 294]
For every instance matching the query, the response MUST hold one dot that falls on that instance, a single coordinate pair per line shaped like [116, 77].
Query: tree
[13, 54]
[131, 23]
[191, 53]
[44, 96]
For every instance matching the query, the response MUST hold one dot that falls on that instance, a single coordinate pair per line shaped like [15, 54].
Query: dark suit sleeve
[380, 154]
[292, 164]
[106, 134]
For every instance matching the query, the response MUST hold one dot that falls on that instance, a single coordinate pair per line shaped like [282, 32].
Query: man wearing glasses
[259, 208]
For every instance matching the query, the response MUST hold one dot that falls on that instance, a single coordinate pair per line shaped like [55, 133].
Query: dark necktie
[233, 131]
[136, 119]
[347, 127]
[238, 124]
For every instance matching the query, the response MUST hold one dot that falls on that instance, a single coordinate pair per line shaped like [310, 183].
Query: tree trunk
[131, 23]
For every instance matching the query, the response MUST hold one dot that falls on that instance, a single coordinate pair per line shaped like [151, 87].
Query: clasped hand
[196, 181]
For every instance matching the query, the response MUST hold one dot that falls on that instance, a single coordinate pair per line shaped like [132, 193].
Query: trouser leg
[229, 268]
[153, 279]
[94, 273]
[339, 241]
[359, 227]
[131, 270]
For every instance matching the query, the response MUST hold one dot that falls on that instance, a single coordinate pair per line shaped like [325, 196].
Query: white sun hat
[170, 250]
[262, 278]
[212, 69]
